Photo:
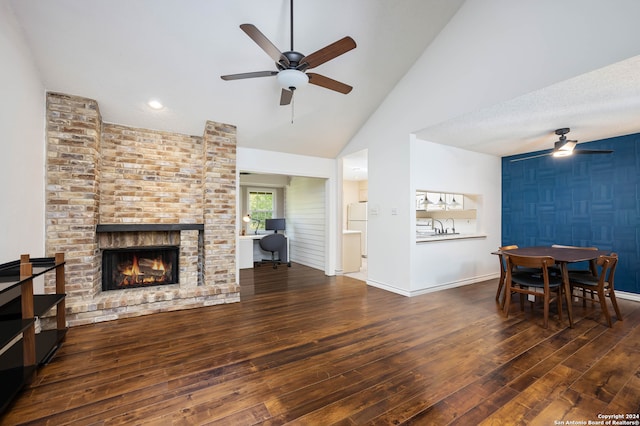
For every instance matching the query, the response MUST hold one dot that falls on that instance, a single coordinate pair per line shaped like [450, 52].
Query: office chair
[274, 243]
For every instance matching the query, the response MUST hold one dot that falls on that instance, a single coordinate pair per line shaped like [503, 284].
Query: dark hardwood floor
[303, 348]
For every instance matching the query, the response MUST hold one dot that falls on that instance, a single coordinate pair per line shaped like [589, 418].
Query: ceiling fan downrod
[562, 132]
[291, 20]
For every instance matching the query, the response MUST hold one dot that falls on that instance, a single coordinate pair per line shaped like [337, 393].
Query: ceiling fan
[292, 66]
[565, 148]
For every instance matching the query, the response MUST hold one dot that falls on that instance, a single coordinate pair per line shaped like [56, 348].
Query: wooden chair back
[503, 271]
[602, 285]
[537, 262]
[607, 266]
[529, 284]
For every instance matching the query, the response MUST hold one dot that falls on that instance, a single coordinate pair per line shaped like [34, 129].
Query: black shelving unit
[21, 357]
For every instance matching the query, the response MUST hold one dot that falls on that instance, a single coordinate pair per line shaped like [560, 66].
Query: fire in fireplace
[139, 267]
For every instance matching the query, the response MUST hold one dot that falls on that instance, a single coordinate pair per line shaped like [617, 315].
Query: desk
[250, 252]
[562, 256]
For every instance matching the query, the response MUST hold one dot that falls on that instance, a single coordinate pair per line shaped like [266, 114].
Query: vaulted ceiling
[123, 53]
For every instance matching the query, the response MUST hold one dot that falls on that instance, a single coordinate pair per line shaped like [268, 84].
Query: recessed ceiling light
[155, 104]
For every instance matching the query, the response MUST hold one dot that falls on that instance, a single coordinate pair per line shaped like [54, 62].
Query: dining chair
[541, 284]
[590, 270]
[602, 285]
[503, 272]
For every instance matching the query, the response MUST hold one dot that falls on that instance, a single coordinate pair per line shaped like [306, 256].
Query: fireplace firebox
[139, 267]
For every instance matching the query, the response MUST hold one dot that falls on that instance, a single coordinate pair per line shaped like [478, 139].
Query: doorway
[355, 197]
[301, 201]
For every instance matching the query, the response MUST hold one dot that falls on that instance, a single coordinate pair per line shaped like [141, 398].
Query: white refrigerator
[357, 221]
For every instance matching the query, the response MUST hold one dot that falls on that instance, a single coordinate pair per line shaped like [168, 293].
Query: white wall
[491, 51]
[442, 264]
[388, 236]
[260, 161]
[22, 121]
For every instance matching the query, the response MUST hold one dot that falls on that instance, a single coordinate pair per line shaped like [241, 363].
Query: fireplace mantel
[149, 227]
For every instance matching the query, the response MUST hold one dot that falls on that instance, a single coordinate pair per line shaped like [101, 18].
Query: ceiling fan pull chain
[292, 103]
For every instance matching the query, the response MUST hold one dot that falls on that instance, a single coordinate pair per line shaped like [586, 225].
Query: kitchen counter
[428, 238]
[351, 255]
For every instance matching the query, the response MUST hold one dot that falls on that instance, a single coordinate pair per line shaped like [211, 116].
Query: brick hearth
[101, 173]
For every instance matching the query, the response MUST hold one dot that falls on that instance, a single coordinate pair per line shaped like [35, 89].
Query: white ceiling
[124, 52]
[597, 105]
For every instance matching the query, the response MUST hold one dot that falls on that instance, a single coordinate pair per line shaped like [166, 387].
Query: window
[262, 205]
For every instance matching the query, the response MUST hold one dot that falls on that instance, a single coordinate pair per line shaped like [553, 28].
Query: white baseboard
[439, 287]
[628, 296]
[388, 288]
[620, 294]
[454, 284]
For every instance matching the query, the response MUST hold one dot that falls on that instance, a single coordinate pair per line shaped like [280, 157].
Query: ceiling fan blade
[529, 158]
[575, 151]
[265, 44]
[328, 83]
[286, 96]
[327, 53]
[249, 75]
[592, 151]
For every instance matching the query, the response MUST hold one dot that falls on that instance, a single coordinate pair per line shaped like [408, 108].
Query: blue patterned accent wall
[582, 200]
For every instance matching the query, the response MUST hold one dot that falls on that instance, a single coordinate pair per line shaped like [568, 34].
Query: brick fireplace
[112, 187]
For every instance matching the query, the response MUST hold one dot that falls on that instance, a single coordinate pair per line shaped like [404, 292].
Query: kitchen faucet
[453, 224]
[441, 231]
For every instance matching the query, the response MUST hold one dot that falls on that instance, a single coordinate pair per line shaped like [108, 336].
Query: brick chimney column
[72, 192]
[219, 189]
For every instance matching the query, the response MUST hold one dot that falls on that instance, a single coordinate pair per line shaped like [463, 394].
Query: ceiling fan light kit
[562, 153]
[565, 148]
[292, 79]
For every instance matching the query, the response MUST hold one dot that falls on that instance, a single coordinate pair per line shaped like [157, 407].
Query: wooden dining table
[563, 256]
